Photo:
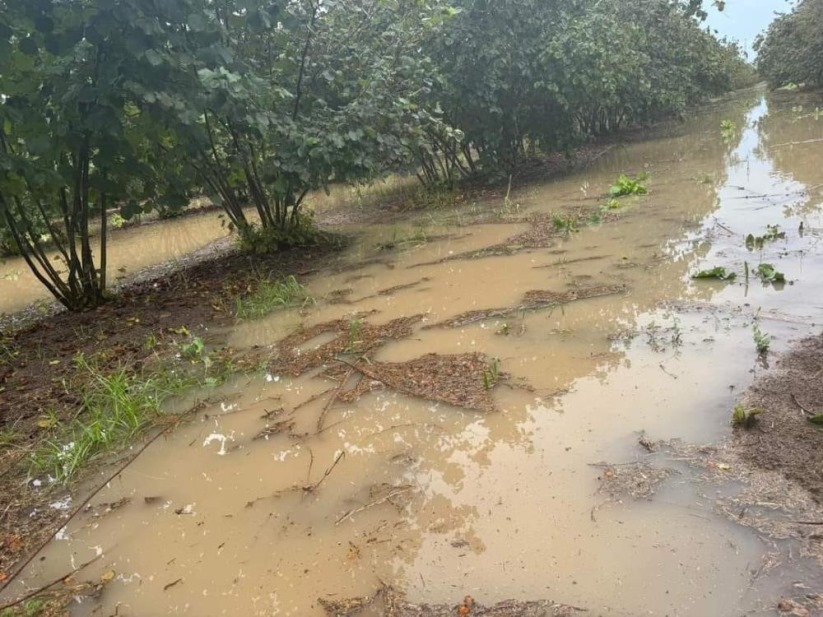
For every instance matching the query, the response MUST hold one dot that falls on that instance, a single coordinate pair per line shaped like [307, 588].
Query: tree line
[791, 50]
[140, 105]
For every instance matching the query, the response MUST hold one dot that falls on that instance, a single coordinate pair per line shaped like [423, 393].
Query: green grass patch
[270, 296]
[115, 408]
[29, 608]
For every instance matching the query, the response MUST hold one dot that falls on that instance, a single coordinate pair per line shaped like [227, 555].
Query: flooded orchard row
[288, 492]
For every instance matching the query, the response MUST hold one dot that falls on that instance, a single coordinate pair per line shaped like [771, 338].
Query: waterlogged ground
[131, 250]
[339, 498]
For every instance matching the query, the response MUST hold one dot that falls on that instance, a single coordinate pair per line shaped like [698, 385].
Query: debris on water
[102, 509]
[753, 497]
[62, 505]
[353, 335]
[462, 380]
[219, 437]
[805, 606]
[391, 603]
[283, 426]
[532, 301]
[379, 495]
[340, 296]
[638, 480]
[168, 586]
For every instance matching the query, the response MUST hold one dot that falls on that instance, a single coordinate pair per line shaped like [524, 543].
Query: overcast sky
[743, 20]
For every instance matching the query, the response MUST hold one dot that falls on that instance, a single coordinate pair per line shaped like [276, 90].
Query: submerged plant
[491, 374]
[626, 185]
[772, 233]
[717, 273]
[677, 332]
[728, 130]
[762, 341]
[769, 274]
[745, 417]
[567, 224]
[354, 342]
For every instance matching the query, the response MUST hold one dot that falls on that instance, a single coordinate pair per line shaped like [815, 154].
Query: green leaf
[769, 274]
[718, 273]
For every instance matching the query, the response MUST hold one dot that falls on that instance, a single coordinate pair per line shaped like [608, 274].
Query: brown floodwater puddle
[440, 502]
[130, 251]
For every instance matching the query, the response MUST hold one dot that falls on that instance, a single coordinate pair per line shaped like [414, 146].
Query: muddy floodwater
[130, 251]
[440, 502]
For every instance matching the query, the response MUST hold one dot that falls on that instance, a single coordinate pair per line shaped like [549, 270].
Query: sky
[743, 20]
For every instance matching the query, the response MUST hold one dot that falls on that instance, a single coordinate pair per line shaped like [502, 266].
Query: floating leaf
[718, 273]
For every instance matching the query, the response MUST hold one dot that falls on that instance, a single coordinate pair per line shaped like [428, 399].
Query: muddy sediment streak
[462, 380]
[353, 336]
[532, 301]
[390, 603]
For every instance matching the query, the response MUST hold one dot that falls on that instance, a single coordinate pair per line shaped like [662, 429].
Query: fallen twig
[311, 399]
[722, 226]
[305, 488]
[46, 587]
[377, 502]
[803, 409]
[83, 504]
[333, 398]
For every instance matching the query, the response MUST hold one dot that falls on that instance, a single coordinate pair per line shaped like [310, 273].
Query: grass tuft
[270, 296]
[115, 409]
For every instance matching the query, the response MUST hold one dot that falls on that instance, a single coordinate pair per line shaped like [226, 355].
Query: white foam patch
[218, 437]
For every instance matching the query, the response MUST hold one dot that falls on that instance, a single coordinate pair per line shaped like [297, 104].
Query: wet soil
[784, 439]
[39, 385]
[390, 603]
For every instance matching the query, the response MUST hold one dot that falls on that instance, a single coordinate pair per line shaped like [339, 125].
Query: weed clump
[745, 417]
[626, 185]
[762, 341]
[115, 408]
[769, 274]
[272, 295]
